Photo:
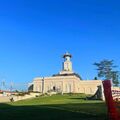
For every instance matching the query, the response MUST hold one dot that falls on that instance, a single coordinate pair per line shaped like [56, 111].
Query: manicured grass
[57, 107]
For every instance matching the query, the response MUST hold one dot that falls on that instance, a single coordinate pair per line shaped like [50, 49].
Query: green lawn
[56, 107]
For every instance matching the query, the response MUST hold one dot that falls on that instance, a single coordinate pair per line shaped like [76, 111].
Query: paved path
[4, 99]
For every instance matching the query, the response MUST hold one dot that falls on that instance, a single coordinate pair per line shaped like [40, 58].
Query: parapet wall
[89, 86]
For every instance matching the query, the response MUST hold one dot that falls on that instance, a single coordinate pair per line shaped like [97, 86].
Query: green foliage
[22, 93]
[95, 78]
[106, 70]
[115, 76]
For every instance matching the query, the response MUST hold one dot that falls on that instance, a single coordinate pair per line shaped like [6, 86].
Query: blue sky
[34, 34]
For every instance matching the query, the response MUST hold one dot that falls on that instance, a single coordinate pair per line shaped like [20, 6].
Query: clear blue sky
[34, 34]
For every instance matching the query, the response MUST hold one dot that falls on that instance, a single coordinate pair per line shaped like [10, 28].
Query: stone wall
[66, 84]
[4, 99]
[89, 86]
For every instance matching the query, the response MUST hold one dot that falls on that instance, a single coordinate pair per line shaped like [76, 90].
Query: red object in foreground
[111, 105]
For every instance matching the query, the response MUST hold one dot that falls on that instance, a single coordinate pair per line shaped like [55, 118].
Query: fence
[112, 98]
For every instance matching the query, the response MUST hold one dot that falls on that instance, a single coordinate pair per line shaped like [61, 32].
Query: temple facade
[66, 81]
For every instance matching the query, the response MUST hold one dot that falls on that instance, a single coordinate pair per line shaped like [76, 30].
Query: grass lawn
[56, 107]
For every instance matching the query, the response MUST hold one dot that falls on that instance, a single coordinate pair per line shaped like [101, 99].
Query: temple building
[66, 81]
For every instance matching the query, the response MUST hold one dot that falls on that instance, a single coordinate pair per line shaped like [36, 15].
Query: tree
[115, 77]
[106, 70]
[95, 78]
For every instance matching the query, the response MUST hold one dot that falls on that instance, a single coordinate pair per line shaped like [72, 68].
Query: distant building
[66, 81]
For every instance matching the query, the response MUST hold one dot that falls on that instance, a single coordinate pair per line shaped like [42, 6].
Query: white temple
[66, 81]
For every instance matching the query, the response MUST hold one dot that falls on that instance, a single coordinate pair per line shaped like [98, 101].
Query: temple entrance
[54, 88]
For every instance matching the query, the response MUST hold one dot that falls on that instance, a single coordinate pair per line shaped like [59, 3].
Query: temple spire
[67, 64]
[67, 56]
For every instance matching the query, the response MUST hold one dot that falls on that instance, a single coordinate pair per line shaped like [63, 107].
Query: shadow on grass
[82, 98]
[52, 112]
